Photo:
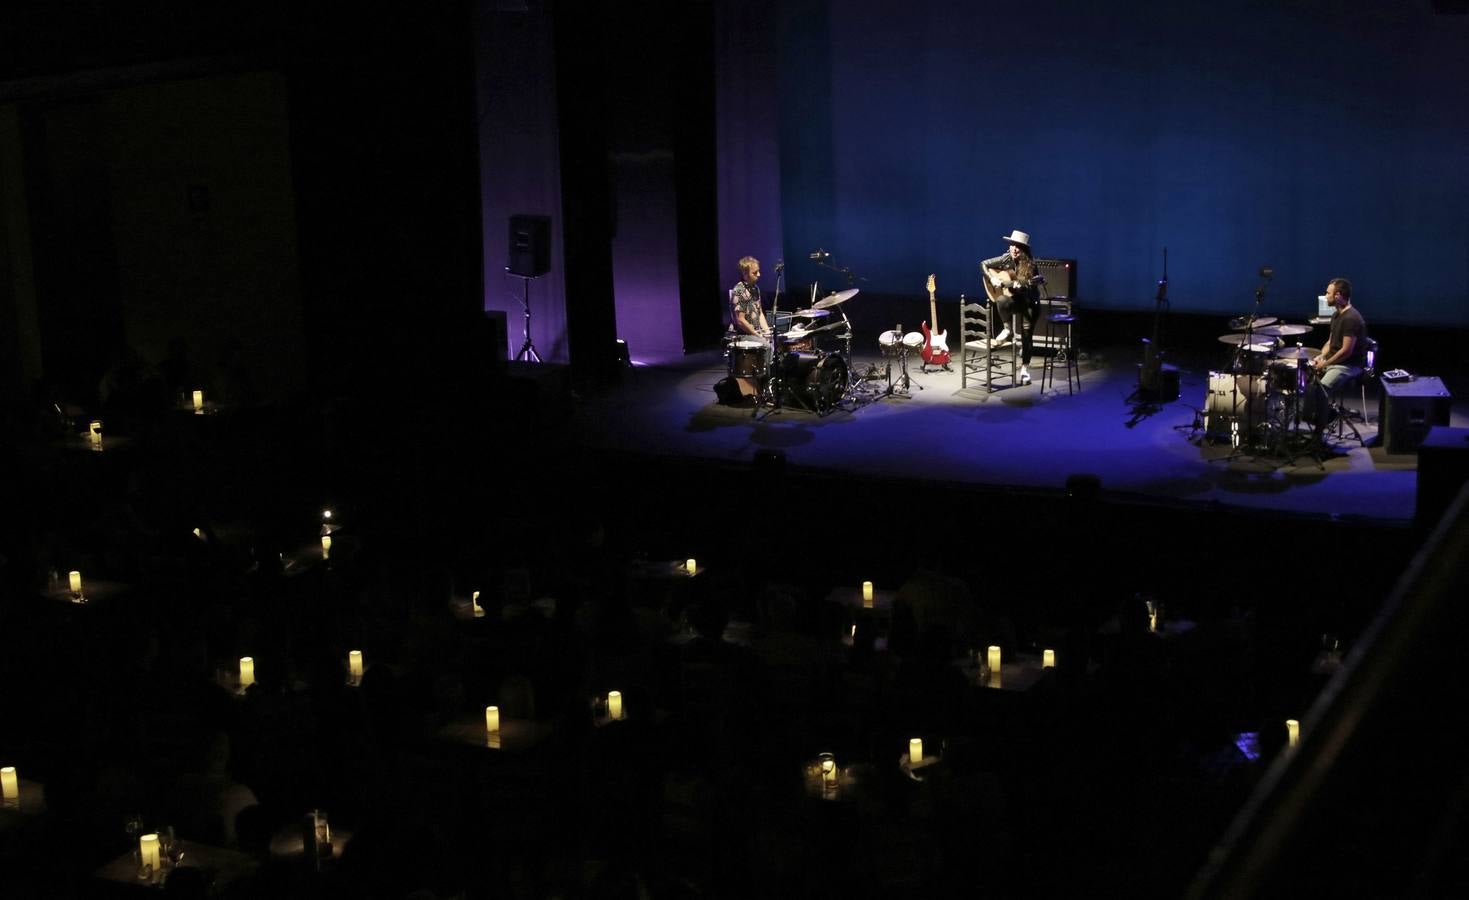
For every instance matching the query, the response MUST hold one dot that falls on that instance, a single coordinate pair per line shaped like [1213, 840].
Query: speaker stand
[528, 349]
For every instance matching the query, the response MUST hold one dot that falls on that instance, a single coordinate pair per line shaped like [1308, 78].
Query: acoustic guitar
[935, 343]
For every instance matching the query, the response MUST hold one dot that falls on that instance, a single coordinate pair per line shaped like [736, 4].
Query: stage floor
[1015, 437]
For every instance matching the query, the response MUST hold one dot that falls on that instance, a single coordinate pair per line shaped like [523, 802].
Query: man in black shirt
[1340, 363]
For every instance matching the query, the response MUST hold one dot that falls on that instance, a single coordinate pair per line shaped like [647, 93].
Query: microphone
[820, 254]
[779, 264]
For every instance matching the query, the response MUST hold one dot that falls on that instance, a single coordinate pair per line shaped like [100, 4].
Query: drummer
[747, 316]
[1341, 361]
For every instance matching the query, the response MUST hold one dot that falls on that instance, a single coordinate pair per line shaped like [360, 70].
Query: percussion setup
[1258, 398]
[807, 360]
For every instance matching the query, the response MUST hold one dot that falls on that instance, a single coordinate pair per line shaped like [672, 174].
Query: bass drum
[1234, 402]
[815, 381]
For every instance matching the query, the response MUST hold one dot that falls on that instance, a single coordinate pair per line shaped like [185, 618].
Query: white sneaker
[1002, 339]
[1024, 375]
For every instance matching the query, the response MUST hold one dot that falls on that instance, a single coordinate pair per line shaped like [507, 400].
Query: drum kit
[1257, 400]
[807, 361]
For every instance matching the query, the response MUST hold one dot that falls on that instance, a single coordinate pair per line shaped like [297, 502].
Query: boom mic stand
[1237, 443]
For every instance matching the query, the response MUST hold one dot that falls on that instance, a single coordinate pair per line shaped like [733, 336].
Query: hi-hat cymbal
[1250, 342]
[1283, 330]
[815, 312]
[839, 297]
[1295, 353]
[1243, 322]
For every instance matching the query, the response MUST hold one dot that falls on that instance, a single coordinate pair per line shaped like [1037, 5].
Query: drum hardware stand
[905, 384]
[528, 349]
[769, 393]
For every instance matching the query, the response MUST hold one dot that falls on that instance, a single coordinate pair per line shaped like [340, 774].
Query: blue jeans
[1328, 390]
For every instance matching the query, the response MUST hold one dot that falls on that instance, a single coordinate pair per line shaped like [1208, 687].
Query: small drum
[748, 357]
[1233, 402]
[1255, 358]
[1288, 377]
[913, 340]
[890, 342]
[798, 340]
[815, 380]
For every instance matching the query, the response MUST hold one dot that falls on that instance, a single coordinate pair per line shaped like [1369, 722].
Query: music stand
[527, 349]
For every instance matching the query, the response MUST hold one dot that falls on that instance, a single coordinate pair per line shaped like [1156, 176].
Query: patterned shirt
[744, 299]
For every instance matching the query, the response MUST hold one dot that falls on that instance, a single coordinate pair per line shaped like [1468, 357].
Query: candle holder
[198, 402]
[829, 772]
[691, 567]
[326, 547]
[1292, 732]
[9, 788]
[354, 667]
[867, 597]
[150, 858]
[247, 672]
[614, 706]
[1048, 659]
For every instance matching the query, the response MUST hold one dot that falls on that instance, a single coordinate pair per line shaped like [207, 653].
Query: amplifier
[1408, 409]
[1060, 276]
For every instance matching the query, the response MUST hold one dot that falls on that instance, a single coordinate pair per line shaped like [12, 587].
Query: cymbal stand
[528, 349]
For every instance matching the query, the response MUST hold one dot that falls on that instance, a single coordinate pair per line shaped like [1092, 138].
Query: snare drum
[748, 357]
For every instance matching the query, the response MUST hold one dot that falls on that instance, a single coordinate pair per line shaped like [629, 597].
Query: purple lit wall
[519, 165]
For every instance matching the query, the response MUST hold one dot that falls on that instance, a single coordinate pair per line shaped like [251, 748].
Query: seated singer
[1340, 363]
[747, 316]
[1014, 273]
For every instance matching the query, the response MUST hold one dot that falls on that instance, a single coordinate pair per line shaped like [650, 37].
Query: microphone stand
[1239, 355]
[773, 380]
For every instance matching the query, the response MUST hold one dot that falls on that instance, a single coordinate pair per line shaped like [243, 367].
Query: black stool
[1058, 335]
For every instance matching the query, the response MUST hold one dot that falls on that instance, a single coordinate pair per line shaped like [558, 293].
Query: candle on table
[1292, 732]
[866, 595]
[691, 566]
[74, 578]
[614, 704]
[9, 786]
[247, 671]
[326, 546]
[1048, 659]
[994, 659]
[148, 855]
[479, 611]
[198, 401]
[354, 666]
[828, 771]
[492, 720]
[94, 431]
[915, 751]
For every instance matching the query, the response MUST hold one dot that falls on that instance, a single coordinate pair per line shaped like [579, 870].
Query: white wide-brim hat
[1018, 237]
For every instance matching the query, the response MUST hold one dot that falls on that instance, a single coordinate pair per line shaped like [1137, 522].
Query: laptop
[1324, 309]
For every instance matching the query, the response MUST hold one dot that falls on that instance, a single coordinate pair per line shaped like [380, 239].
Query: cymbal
[1295, 353]
[1283, 330]
[795, 334]
[1243, 322]
[834, 299]
[815, 312]
[1251, 342]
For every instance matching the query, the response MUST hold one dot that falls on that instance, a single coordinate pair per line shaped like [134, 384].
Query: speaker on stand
[529, 256]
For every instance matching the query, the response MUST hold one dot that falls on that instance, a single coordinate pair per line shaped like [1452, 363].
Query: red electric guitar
[935, 342]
